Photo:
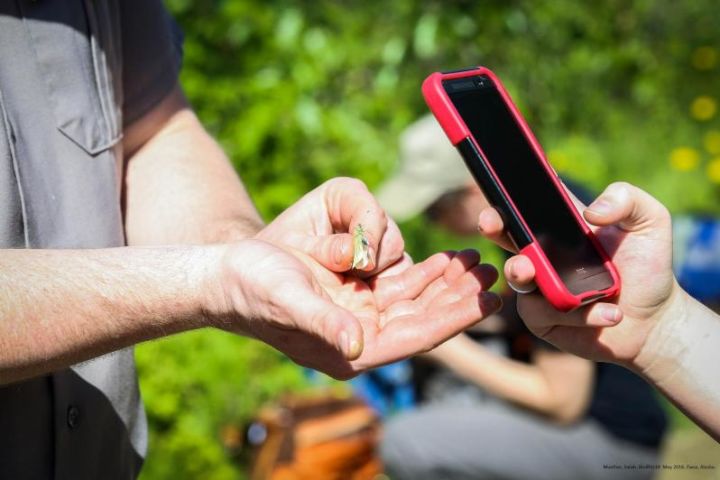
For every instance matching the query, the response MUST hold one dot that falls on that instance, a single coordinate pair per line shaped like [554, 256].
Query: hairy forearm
[526, 385]
[681, 358]
[180, 187]
[60, 307]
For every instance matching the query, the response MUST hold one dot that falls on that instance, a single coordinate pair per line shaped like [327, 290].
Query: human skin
[653, 327]
[199, 256]
[555, 384]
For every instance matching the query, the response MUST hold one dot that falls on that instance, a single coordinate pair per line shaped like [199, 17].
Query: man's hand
[296, 291]
[635, 229]
[341, 324]
[321, 224]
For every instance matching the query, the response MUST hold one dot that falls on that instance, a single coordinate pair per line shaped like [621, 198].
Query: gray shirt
[72, 74]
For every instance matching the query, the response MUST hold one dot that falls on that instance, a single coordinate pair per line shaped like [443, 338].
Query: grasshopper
[361, 248]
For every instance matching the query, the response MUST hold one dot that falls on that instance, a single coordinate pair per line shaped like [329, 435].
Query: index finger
[351, 205]
[491, 226]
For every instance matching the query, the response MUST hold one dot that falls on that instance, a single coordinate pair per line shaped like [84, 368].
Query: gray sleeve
[151, 55]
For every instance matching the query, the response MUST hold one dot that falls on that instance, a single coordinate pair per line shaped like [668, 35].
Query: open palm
[402, 312]
[297, 290]
[415, 309]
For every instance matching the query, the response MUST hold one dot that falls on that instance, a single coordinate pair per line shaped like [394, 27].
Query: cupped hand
[322, 223]
[342, 324]
[635, 230]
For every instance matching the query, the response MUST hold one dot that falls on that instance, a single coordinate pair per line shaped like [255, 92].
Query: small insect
[361, 248]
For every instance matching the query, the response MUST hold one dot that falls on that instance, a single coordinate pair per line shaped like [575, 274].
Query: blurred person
[504, 404]
[388, 389]
[654, 327]
[98, 150]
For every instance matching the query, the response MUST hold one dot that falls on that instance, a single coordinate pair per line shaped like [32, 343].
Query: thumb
[628, 207]
[338, 327]
[334, 252]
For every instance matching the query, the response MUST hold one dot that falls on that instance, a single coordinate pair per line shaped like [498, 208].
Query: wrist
[238, 229]
[668, 335]
[230, 300]
[211, 265]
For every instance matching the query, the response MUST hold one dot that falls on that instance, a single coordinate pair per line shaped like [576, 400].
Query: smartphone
[507, 162]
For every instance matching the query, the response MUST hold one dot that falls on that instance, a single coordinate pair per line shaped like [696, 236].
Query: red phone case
[546, 277]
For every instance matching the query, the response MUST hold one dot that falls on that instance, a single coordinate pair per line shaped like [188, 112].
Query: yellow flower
[712, 142]
[703, 108]
[713, 170]
[704, 58]
[684, 159]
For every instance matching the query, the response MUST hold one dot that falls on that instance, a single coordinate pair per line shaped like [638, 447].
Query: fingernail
[372, 259]
[341, 251]
[480, 228]
[355, 350]
[345, 343]
[350, 348]
[601, 207]
[610, 313]
[513, 270]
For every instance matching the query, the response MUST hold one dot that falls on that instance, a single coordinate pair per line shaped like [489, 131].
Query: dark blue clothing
[627, 406]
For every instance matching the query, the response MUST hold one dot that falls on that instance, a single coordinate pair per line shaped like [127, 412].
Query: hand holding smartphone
[507, 162]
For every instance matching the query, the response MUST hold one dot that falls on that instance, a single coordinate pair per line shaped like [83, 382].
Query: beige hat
[429, 167]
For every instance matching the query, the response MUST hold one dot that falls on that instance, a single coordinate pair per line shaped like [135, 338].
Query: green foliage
[197, 387]
[300, 91]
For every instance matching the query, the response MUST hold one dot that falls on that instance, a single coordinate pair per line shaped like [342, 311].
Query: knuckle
[622, 188]
[621, 185]
[396, 244]
[349, 183]
[323, 327]
[334, 181]
[613, 190]
[319, 325]
[378, 213]
[381, 213]
[357, 183]
[337, 183]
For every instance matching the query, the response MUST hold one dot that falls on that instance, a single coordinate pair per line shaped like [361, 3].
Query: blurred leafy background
[301, 91]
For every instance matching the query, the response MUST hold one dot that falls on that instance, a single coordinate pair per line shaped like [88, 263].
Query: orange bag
[323, 437]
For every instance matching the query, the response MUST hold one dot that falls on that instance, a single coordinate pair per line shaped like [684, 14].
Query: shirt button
[73, 416]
